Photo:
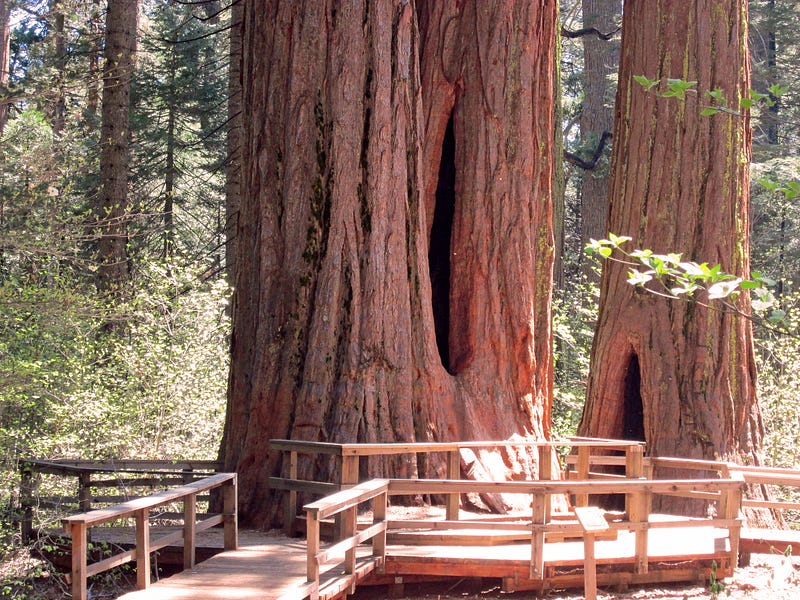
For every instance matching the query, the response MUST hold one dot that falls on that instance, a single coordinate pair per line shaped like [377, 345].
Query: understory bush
[145, 379]
[574, 316]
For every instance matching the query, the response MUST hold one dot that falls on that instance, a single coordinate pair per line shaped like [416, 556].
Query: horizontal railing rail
[139, 509]
[97, 482]
[772, 476]
[349, 463]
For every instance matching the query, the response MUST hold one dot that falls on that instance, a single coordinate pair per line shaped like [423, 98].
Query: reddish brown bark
[679, 183]
[345, 115]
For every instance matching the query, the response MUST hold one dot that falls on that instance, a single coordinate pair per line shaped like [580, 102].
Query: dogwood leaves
[670, 276]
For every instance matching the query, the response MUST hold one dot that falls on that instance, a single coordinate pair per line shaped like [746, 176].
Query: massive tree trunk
[355, 113]
[112, 207]
[672, 373]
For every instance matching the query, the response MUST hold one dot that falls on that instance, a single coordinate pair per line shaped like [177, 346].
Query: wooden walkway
[270, 570]
[545, 549]
[275, 568]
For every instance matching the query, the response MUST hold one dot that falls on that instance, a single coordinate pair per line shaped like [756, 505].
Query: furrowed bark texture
[342, 138]
[679, 183]
[233, 165]
[601, 60]
[5, 58]
[112, 208]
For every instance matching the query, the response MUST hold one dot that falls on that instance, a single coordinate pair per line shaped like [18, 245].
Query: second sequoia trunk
[675, 374]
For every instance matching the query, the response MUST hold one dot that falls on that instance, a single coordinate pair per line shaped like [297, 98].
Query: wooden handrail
[349, 456]
[69, 466]
[573, 486]
[145, 474]
[78, 525]
[345, 503]
[381, 449]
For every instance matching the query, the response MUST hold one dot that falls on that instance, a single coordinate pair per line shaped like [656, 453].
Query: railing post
[85, 491]
[634, 469]
[453, 472]
[78, 533]
[291, 502]
[538, 505]
[349, 478]
[379, 516]
[546, 459]
[312, 548]
[582, 469]
[189, 523]
[142, 548]
[230, 514]
[732, 506]
[349, 522]
[26, 489]
[637, 507]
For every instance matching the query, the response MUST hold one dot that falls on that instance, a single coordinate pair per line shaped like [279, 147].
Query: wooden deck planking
[276, 570]
[267, 570]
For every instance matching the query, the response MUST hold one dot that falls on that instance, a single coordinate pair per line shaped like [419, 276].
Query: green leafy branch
[669, 276]
[679, 88]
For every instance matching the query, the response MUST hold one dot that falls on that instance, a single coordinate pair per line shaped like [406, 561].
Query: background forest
[124, 354]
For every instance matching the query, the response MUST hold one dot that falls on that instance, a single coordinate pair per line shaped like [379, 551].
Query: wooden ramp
[266, 571]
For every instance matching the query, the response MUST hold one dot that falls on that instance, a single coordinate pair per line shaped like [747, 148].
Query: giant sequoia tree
[677, 374]
[396, 180]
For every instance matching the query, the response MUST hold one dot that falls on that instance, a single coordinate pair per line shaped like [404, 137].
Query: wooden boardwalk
[269, 570]
[275, 568]
[544, 548]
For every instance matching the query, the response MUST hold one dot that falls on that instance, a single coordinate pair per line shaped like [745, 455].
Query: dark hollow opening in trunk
[439, 252]
[631, 427]
[632, 410]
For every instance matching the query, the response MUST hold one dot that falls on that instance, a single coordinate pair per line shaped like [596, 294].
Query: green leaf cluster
[676, 278]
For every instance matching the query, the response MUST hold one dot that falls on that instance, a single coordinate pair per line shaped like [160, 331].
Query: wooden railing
[751, 475]
[638, 492]
[770, 476]
[139, 510]
[346, 503]
[97, 483]
[349, 463]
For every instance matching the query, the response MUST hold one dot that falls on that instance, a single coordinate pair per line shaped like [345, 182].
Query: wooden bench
[592, 522]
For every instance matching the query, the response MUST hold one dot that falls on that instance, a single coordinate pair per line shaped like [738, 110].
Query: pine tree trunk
[233, 165]
[346, 111]
[672, 373]
[601, 61]
[58, 103]
[5, 58]
[95, 28]
[112, 209]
